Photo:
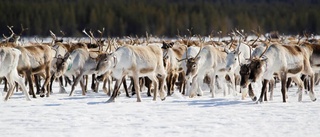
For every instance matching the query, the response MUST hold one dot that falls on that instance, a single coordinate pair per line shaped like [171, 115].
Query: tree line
[159, 17]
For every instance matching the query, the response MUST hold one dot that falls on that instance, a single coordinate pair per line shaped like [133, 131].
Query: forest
[163, 18]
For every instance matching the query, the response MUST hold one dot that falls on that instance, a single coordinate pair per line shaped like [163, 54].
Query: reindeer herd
[161, 65]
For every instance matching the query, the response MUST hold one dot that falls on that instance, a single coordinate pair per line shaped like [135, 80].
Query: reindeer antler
[190, 35]
[53, 35]
[22, 29]
[12, 32]
[101, 35]
[265, 50]
[147, 37]
[84, 31]
[62, 32]
[201, 45]
[220, 35]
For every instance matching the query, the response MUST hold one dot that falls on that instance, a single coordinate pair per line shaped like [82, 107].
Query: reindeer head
[105, 62]
[232, 59]
[252, 71]
[63, 64]
[192, 66]
[245, 71]
[167, 45]
[256, 68]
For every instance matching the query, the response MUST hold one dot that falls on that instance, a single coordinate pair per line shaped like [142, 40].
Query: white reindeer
[209, 61]
[190, 53]
[9, 58]
[286, 61]
[135, 61]
[78, 63]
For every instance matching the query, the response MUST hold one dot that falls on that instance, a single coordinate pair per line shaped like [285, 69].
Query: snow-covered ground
[177, 116]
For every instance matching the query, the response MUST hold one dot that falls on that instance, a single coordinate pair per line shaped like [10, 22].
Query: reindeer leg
[29, 78]
[82, 87]
[5, 89]
[61, 87]
[37, 83]
[300, 84]
[141, 82]
[183, 86]
[161, 78]
[148, 83]
[155, 84]
[311, 93]
[51, 82]
[110, 82]
[93, 82]
[283, 86]
[137, 87]
[10, 89]
[169, 79]
[251, 93]
[96, 88]
[191, 90]
[173, 81]
[125, 87]
[263, 90]
[67, 81]
[19, 80]
[115, 91]
[75, 83]
[133, 90]
[46, 83]
[211, 85]
[316, 79]
[232, 85]
[105, 80]
[85, 79]
[271, 87]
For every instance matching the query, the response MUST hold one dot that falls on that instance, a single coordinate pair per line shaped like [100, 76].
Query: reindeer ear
[164, 45]
[166, 57]
[264, 58]
[198, 58]
[171, 44]
[114, 60]
[227, 50]
[67, 55]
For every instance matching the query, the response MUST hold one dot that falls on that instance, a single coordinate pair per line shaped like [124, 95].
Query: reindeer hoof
[111, 100]
[315, 99]
[254, 99]
[42, 96]
[163, 99]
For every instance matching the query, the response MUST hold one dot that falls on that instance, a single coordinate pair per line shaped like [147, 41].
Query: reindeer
[285, 61]
[171, 56]
[9, 58]
[209, 61]
[59, 50]
[135, 61]
[78, 63]
[191, 52]
[34, 59]
[239, 56]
